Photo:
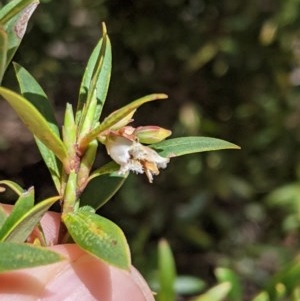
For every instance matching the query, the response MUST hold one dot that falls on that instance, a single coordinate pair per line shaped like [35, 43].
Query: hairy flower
[131, 155]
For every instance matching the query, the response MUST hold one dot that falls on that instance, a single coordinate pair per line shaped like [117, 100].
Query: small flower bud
[151, 134]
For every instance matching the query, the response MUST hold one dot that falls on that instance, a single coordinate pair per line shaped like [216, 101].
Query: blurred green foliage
[231, 70]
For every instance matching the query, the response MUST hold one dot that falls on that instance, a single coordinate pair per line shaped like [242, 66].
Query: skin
[80, 277]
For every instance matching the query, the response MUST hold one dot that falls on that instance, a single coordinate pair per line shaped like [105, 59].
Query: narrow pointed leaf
[96, 78]
[188, 145]
[99, 237]
[25, 225]
[19, 256]
[14, 18]
[263, 296]
[13, 8]
[86, 164]
[13, 186]
[109, 184]
[70, 192]
[3, 51]
[22, 206]
[33, 92]
[216, 293]
[69, 131]
[117, 116]
[227, 275]
[87, 118]
[288, 277]
[108, 168]
[35, 122]
[167, 272]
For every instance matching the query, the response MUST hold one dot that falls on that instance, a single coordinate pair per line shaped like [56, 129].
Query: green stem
[86, 164]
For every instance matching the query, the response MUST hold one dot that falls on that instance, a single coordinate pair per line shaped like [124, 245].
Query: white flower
[133, 156]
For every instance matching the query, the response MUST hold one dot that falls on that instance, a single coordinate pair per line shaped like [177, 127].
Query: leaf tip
[104, 29]
[235, 146]
[162, 96]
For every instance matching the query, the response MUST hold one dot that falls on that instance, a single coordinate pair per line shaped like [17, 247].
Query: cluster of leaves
[227, 68]
[69, 155]
[282, 286]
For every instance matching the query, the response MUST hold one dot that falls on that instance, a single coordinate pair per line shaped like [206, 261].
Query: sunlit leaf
[13, 186]
[21, 207]
[117, 116]
[86, 165]
[14, 18]
[33, 92]
[13, 8]
[96, 78]
[35, 122]
[188, 145]
[26, 223]
[19, 256]
[99, 237]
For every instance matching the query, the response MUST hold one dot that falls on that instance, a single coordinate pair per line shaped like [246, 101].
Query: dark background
[231, 70]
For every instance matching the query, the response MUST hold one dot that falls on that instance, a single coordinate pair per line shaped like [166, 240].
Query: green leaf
[33, 92]
[19, 256]
[286, 196]
[216, 293]
[35, 122]
[70, 198]
[86, 164]
[263, 296]
[108, 168]
[3, 50]
[187, 145]
[188, 285]
[117, 116]
[99, 237]
[14, 18]
[13, 186]
[88, 209]
[25, 225]
[101, 188]
[288, 278]
[167, 272]
[69, 131]
[22, 206]
[227, 275]
[13, 8]
[96, 78]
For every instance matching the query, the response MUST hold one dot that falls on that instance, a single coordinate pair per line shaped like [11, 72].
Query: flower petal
[133, 156]
[118, 148]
